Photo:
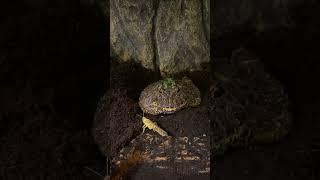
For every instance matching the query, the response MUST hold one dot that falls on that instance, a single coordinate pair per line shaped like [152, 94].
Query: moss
[168, 83]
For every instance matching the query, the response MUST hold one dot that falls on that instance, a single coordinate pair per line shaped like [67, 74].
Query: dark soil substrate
[176, 157]
[117, 119]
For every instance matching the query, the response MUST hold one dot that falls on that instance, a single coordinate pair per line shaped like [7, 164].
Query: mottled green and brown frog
[169, 95]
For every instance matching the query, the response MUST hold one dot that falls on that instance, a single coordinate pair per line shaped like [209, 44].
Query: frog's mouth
[169, 109]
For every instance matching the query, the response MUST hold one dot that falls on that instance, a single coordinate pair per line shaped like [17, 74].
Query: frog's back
[163, 97]
[193, 93]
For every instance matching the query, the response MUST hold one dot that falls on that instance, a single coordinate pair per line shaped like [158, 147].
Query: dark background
[291, 54]
[53, 70]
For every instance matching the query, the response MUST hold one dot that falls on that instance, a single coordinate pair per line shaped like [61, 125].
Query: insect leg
[143, 128]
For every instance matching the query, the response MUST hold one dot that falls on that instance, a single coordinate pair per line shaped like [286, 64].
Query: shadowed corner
[54, 72]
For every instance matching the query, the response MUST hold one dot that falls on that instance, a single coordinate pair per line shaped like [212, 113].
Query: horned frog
[169, 95]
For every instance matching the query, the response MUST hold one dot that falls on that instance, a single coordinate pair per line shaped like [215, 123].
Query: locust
[147, 123]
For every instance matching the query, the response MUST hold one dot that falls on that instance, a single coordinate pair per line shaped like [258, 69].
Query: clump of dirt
[115, 121]
[247, 105]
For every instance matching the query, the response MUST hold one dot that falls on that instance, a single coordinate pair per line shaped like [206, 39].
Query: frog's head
[168, 83]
